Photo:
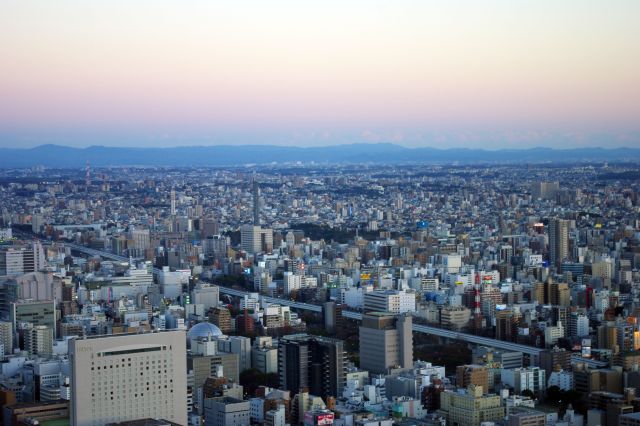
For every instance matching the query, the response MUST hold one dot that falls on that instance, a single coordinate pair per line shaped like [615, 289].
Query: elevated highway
[417, 328]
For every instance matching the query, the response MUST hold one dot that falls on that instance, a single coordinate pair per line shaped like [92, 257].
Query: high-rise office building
[385, 341]
[32, 312]
[558, 241]
[16, 260]
[123, 377]
[254, 239]
[312, 362]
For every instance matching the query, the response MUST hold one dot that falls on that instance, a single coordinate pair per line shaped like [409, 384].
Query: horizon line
[271, 145]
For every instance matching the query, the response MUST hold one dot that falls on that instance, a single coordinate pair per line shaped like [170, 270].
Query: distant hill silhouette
[235, 155]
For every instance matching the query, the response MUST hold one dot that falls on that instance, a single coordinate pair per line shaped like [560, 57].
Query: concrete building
[226, 411]
[578, 325]
[6, 337]
[393, 301]
[291, 282]
[238, 345]
[264, 356]
[482, 354]
[36, 313]
[255, 239]
[519, 379]
[386, 341]
[207, 295]
[38, 340]
[477, 375]
[454, 317]
[470, 407]
[527, 418]
[221, 317]
[129, 376]
[16, 261]
[312, 362]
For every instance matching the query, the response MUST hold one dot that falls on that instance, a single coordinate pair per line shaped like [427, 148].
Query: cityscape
[283, 213]
[304, 294]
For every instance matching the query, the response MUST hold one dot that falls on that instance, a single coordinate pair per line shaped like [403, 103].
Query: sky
[491, 74]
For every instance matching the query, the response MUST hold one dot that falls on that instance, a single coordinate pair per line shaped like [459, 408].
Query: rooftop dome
[203, 329]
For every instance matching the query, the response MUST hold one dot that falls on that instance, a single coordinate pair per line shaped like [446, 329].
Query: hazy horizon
[491, 75]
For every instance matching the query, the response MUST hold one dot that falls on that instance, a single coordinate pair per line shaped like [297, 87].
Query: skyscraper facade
[123, 377]
[312, 362]
[386, 341]
[558, 241]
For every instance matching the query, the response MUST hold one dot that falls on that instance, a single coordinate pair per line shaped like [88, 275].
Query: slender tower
[256, 203]
[87, 177]
[173, 202]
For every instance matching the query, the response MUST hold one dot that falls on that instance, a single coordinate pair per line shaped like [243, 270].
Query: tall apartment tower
[558, 241]
[173, 202]
[38, 340]
[123, 377]
[6, 337]
[386, 341]
[312, 362]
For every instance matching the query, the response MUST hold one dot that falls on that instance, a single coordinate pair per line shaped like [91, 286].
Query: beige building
[527, 418]
[477, 375]
[454, 317]
[470, 408]
[116, 378]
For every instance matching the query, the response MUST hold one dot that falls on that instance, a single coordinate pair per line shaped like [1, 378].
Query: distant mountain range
[56, 156]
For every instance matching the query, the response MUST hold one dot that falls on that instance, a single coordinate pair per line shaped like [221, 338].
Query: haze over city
[491, 74]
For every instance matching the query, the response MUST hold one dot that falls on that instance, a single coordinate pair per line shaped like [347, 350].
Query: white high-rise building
[394, 301]
[579, 325]
[123, 377]
[532, 378]
[291, 282]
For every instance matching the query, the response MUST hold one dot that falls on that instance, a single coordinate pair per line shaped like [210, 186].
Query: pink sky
[290, 72]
